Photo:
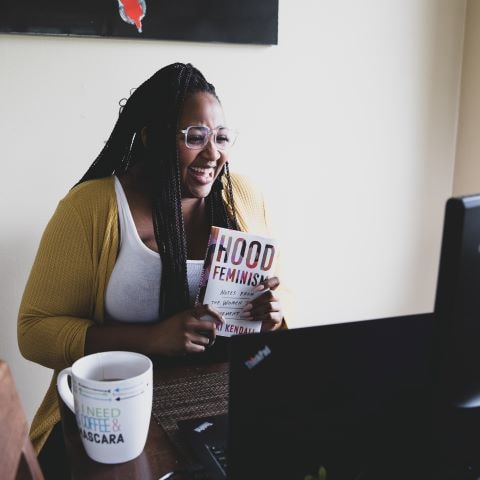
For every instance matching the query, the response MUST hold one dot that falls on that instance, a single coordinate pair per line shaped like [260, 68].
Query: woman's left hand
[266, 307]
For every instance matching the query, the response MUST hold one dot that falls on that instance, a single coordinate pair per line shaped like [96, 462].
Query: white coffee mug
[112, 402]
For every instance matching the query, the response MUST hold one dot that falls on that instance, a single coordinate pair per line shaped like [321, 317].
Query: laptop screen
[350, 400]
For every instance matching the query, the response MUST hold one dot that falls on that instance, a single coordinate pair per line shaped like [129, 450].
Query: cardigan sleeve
[59, 296]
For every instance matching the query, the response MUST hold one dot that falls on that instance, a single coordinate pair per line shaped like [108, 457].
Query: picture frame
[227, 21]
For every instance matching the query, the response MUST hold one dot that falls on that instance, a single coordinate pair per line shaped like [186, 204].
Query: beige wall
[348, 125]
[467, 165]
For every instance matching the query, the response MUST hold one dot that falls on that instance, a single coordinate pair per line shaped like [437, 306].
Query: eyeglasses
[197, 137]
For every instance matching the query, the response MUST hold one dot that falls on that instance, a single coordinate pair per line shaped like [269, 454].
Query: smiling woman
[119, 264]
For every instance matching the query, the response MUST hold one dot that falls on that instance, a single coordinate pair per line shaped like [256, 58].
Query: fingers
[207, 313]
[272, 283]
[205, 321]
[270, 314]
[193, 348]
[190, 331]
[265, 308]
[267, 297]
[197, 342]
[201, 326]
[273, 322]
[265, 303]
[203, 332]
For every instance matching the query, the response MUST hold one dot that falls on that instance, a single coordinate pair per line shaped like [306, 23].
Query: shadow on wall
[438, 134]
[16, 257]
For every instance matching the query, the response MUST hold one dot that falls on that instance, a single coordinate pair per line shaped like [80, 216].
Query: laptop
[350, 401]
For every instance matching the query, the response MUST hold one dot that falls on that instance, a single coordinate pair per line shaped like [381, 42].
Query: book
[235, 263]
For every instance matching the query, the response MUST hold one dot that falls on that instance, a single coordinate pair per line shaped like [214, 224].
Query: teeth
[201, 170]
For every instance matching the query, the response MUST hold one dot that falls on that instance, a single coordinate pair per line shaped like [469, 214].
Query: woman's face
[200, 167]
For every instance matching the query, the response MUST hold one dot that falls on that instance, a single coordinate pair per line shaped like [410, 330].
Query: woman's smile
[203, 175]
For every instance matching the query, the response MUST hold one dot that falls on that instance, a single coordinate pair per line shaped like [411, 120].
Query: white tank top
[133, 289]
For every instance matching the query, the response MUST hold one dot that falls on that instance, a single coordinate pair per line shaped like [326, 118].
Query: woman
[119, 262]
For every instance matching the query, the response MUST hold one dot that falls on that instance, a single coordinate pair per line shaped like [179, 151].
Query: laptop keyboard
[219, 454]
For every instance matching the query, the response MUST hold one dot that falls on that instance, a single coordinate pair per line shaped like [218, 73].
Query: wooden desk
[179, 392]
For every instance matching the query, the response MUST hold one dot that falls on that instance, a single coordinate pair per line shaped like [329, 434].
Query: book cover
[235, 263]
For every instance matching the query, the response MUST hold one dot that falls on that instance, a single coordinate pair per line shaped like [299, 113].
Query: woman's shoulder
[92, 193]
[249, 204]
[245, 189]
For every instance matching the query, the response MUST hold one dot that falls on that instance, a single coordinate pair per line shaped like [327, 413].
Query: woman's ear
[143, 133]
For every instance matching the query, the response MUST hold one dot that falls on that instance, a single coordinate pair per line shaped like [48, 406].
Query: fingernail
[259, 288]
[246, 316]
[247, 307]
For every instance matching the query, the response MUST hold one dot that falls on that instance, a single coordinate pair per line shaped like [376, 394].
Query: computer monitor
[457, 304]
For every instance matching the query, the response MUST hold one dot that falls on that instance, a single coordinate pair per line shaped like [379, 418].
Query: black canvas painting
[235, 21]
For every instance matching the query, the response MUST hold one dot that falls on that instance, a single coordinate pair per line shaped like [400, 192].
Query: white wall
[348, 125]
[467, 165]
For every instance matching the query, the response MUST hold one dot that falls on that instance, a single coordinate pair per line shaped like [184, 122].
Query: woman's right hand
[189, 331]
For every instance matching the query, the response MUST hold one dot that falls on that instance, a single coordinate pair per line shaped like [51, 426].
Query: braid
[156, 105]
[232, 223]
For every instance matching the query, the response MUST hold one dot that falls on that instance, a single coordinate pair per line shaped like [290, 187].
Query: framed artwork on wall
[230, 21]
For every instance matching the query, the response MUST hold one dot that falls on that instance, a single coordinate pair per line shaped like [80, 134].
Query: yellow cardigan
[65, 291]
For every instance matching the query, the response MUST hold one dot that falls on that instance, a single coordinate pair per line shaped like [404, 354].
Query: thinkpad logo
[254, 360]
[202, 427]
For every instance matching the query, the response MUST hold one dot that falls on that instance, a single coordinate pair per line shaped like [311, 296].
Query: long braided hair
[156, 105]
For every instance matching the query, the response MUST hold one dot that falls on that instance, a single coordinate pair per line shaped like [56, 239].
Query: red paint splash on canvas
[133, 11]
